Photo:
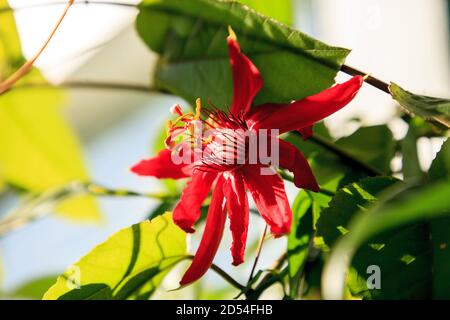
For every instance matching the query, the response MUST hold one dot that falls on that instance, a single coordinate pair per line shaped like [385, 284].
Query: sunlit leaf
[191, 36]
[430, 108]
[38, 150]
[129, 265]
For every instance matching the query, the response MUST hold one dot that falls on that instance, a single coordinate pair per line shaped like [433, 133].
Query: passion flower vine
[216, 163]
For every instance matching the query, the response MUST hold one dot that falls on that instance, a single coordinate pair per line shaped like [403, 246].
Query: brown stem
[377, 83]
[27, 66]
[369, 170]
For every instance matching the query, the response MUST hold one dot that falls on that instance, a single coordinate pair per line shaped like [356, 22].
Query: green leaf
[33, 289]
[191, 39]
[429, 108]
[334, 220]
[400, 244]
[280, 10]
[440, 168]
[372, 145]
[10, 50]
[298, 240]
[129, 265]
[305, 207]
[440, 171]
[38, 150]
[410, 156]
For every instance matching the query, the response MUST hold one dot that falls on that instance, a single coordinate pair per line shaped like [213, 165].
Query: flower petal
[306, 112]
[215, 223]
[293, 160]
[187, 210]
[161, 167]
[247, 80]
[270, 199]
[238, 211]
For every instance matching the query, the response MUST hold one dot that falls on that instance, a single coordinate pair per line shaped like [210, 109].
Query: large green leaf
[396, 236]
[129, 265]
[38, 150]
[404, 251]
[430, 108]
[191, 36]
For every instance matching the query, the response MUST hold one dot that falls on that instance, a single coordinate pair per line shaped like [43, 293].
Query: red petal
[187, 211]
[161, 167]
[306, 112]
[247, 80]
[293, 160]
[306, 132]
[238, 211]
[215, 223]
[270, 199]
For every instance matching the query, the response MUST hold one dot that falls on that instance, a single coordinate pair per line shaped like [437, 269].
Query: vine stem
[258, 254]
[375, 82]
[27, 66]
[223, 274]
[369, 170]
[92, 85]
[41, 205]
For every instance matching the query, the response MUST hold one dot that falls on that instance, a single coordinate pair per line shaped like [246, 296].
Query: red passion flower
[230, 180]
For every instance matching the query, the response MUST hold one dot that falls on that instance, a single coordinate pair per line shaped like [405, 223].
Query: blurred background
[405, 41]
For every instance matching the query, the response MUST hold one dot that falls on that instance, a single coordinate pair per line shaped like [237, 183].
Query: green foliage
[373, 146]
[129, 265]
[334, 220]
[440, 169]
[430, 108]
[305, 209]
[191, 39]
[410, 157]
[405, 234]
[299, 240]
[38, 150]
